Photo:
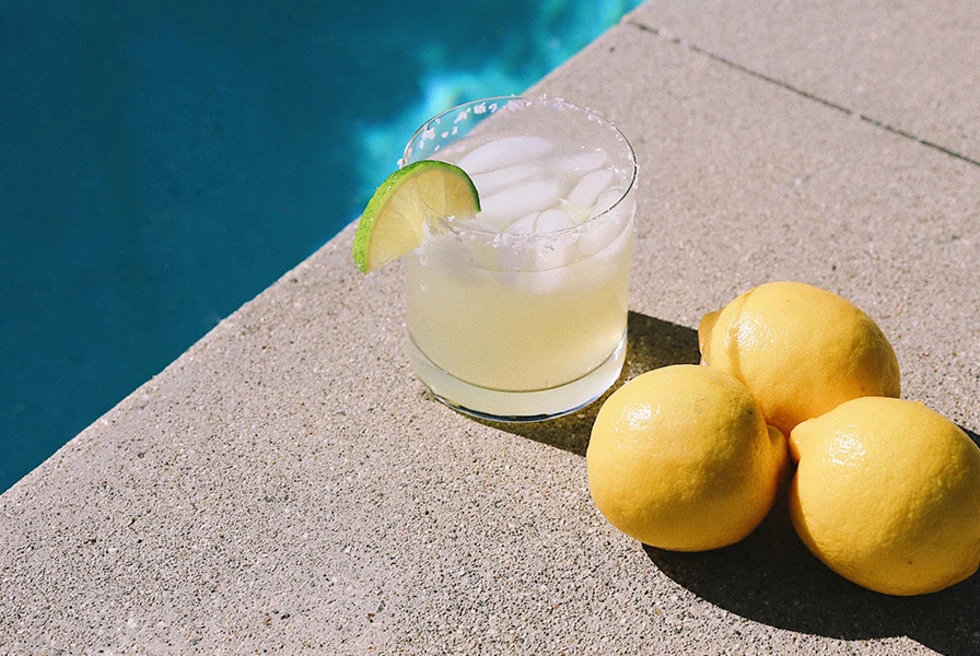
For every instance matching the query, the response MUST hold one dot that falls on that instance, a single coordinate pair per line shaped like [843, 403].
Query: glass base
[538, 405]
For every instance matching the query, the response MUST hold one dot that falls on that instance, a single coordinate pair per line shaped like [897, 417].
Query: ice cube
[551, 272]
[503, 152]
[524, 225]
[605, 200]
[492, 222]
[546, 282]
[589, 187]
[521, 199]
[483, 223]
[488, 183]
[601, 234]
[511, 258]
[552, 220]
[538, 222]
[453, 258]
[553, 256]
[576, 214]
[580, 163]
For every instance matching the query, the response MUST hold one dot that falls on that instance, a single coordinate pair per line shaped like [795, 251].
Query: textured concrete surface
[287, 486]
[913, 67]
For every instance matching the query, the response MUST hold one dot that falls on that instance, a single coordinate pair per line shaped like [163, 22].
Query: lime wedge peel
[392, 223]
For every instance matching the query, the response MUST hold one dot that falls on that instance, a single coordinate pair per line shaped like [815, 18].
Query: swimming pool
[167, 160]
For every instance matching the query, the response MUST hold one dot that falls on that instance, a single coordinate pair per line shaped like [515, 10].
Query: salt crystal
[511, 259]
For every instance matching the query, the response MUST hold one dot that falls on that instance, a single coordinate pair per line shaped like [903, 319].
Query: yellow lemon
[800, 350]
[680, 458]
[887, 494]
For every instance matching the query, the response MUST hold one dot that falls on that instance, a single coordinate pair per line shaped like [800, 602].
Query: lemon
[680, 458]
[887, 494]
[800, 349]
[392, 222]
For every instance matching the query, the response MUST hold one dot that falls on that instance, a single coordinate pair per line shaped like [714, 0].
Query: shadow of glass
[650, 343]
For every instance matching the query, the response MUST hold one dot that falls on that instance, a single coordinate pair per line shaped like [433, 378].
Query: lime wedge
[391, 225]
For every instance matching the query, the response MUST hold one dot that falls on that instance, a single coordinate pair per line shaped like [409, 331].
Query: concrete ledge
[908, 66]
[286, 486]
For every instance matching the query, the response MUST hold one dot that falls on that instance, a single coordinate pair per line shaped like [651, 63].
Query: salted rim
[494, 104]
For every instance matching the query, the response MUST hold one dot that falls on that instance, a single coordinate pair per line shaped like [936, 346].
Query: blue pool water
[163, 161]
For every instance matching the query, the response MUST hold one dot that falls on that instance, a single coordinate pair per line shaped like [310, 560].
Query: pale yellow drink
[520, 313]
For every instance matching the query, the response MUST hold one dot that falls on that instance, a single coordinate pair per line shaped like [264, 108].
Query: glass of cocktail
[519, 313]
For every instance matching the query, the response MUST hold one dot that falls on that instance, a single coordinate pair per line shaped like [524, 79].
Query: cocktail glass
[519, 313]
